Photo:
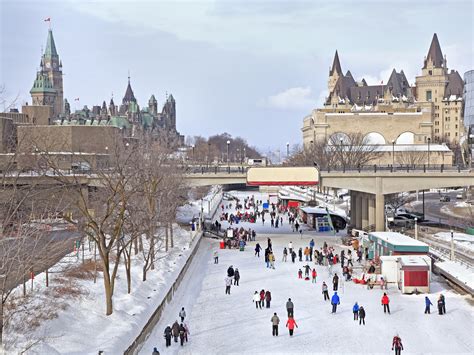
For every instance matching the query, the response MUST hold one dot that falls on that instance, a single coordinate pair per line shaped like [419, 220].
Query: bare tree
[411, 158]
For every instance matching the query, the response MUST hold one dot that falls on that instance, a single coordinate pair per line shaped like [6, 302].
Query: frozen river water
[226, 324]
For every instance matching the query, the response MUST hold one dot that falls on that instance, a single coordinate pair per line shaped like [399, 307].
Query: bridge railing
[407, 168]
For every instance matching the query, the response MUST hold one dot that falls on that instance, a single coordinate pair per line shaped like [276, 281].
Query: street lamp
[193, 151]
[393, 152]
[245, 155]
[416, 228]
[208, 154]
[452, 246]
[287, 150]
[228, 163]
[429, 141]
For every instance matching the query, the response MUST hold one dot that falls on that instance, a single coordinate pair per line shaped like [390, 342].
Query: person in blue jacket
[335, 301]
[427, 305]
[355, 310]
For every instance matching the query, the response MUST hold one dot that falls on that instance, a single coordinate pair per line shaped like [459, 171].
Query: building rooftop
[396, 238]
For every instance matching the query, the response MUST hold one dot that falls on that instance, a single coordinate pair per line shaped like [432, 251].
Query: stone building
[392, 112]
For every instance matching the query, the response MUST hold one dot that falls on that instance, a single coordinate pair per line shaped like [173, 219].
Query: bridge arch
[374, 138]
[405, 138]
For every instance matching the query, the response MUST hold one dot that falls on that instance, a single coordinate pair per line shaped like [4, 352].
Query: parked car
[459, 196]
[412, 216]
[399, 221]
[444, 198]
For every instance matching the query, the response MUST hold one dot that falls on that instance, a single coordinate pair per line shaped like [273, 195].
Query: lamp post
[193, 151]
[245, 155]
[208, 154]
[287, 150]
[416, 228]
[429, 141]
[393, 152]
[452, 246]
[228, 162]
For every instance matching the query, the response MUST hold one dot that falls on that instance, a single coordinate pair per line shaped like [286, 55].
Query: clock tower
[51, 68]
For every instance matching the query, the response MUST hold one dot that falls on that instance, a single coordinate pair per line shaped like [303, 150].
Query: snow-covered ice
[225, 324]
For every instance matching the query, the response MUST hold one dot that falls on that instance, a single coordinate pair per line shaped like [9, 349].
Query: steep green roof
[119, 121]
[42, 84]
[147, 120]
[50, 50]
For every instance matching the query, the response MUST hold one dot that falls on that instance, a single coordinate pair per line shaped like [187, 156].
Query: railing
[396, 168]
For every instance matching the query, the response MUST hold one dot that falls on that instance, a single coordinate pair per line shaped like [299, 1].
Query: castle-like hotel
[394, 112]
[49, 111]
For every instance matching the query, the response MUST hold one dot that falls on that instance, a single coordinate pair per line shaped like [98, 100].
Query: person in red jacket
[385, 303]
[397, 345]
[291, 324]
[314, 274]
[262, 298]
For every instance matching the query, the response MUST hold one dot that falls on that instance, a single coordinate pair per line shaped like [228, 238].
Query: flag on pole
[330, 221]
[47, 19]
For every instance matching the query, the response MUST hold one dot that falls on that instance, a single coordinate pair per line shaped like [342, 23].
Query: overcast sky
[249, 68]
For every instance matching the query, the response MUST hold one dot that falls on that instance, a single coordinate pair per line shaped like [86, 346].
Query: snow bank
[461, 272]
[463, 239]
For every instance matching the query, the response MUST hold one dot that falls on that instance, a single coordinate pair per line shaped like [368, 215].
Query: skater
[307, 269]
[443, 303]
[335, 301]
[361, 315]
[293, 256]
[397, 345]
[168, 332]
[230, 271]
[262, 298]
[335, 282]
[268, 298]
[291, 324]
[269, 242]
[314, 274]
[385, 303]
[275, 321]
[285, 254]
[186, 328]
[300, 274]
[355, 310]
[311, 248]
[216, 257]
[300, 254]
[297, 226]
[155, 352]
[271, 259]
[325, 291]
[182, 334]
[228, 283]
[236, 277]
[267, 253]
[175, 331]
[289, 307]
[256, 299]
[290, 247]
[428, 304]
[182, 314]
[306, 254]
[257, 250]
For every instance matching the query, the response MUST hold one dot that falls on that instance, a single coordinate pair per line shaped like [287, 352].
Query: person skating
[297, 226]
[428, 304]
[440, 305]
[306, 254]
[313, 275]
[268, 298]
[335, 301]
[275, 321]
[182, 334]
[228, 283]
[311, 248]
[361, 315]
[342, 258]
[155, 352]
[271, 259]
[355, 311]
[307, 269]
[216, 257]
[230, 271]
[325, 291]
[290, 247]
[186, 328]
[300, 254]
[262, 298]
[397, 345]
[285, 254]
[293, 256]
[175, 331]
[289, 307]
[291, 324]
[182, 314]
[385, 303]
[335, 282]
[300, 274]
[256, 299]
[257, 249]
[167, 334]
[443, 303]
[269, 246]
[236, 277]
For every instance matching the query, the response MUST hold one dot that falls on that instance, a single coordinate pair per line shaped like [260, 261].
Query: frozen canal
[225, 324]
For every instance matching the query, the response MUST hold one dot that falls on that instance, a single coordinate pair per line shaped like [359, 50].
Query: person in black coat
[230, 271]
[168, 336]
[361, 315]
[335, 282]
[236, 277]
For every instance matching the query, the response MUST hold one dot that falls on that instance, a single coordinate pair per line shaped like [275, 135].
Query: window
[428, 95]
[436, 130]
[430, 72]
[436, 114]
[436, 123]
[456, 134]
[436, 100]
[456, 126]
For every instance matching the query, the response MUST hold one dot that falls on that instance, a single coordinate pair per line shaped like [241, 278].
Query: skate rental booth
[318, 218]
[393, 243]
[411, 273]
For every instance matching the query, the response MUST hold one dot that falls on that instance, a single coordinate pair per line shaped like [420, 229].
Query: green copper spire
[50, 46]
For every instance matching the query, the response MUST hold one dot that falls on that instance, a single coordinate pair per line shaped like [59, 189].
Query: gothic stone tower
[51, 66]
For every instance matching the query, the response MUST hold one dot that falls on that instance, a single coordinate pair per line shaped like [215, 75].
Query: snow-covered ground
[462, 239]
[81, 326]
[461, 272]
[192, 210]
[225, 324]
